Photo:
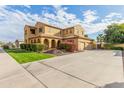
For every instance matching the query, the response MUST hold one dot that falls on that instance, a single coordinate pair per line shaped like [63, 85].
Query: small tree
[114, 33]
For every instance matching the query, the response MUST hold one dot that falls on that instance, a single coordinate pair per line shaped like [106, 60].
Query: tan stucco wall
[119, 45]
[51, 31]
[84, 44]
[78, 30]
[67, 32]
[26, 34]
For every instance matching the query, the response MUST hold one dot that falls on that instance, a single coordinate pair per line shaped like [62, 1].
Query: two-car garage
[84, 44]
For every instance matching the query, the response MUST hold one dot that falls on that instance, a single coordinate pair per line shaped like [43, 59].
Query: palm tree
[100, 39]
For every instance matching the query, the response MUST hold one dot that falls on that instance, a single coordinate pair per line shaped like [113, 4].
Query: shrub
[117, 48]
[39, 47]
[5, 46]
[23, 46]
[64, 46]
[111, 46]
[67, 47]
[32, 47]
[108, 46]
[28, 47]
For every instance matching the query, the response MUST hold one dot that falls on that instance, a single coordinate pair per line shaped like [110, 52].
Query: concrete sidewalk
[14, 75]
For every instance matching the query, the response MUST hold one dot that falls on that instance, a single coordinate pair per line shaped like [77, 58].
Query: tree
[100, 38]
[114, 33]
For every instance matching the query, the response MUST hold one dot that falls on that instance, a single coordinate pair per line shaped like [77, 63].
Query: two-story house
[52, 36]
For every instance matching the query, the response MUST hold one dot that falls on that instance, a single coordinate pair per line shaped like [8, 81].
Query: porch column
[50, 40]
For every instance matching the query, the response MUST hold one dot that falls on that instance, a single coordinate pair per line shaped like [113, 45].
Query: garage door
[81, 46]
[88, 46]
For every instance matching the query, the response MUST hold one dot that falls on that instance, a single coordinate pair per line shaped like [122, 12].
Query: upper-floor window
[40, 30]
[32, 31]
[66, 31]
[71, 31]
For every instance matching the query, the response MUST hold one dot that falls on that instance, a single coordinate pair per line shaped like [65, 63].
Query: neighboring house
[10, 45]
[1, 43]
[17, 43]
[52, 36]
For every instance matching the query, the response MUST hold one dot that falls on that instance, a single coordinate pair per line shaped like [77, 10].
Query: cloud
[61, 17]
[114, 14]
[12, 21]
[27, 6]
[89, 16]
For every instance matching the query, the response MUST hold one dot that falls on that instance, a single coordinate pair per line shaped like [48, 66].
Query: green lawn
[22, 56]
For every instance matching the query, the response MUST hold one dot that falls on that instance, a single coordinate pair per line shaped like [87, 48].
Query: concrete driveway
[95, 68]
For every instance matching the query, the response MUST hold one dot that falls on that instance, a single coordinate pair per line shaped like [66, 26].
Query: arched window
[66, 31]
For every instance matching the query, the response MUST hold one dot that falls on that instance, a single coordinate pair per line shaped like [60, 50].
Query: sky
[93, 18]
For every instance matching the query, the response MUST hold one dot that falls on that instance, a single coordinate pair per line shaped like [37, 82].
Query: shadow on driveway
[114, 85]
[117, 53]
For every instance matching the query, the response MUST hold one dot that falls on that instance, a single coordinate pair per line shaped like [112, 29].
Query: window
[32, 31]
[66, 31]
[40, 30]
[71, 31]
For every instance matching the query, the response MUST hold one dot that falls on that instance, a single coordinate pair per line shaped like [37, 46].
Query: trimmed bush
[108, 46]
[32, 47]
[112, 47]
[5, 47]
[64, 46]
[23, 46]
[67, 47]
[40, 47]
[28, 47]
[117, 48]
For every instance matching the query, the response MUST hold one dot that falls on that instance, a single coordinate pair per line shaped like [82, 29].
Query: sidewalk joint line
[68, 74]
[36, 78]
